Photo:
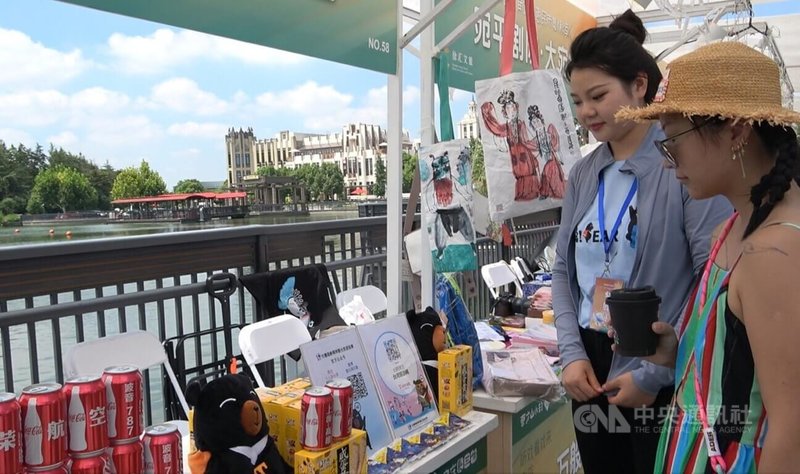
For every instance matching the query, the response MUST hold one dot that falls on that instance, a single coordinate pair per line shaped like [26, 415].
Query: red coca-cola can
[10, 434]
[125, 403]
[342, 392]
[86, 415]
[44, 425]
[96, 463]
[128, 457]
[316, 413]
[162, 449]
[60, 468]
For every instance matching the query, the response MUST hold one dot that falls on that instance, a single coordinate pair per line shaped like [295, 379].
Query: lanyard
[704, 309]
[601, 216]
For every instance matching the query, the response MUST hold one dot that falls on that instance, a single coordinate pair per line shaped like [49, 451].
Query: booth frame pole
[394, 178]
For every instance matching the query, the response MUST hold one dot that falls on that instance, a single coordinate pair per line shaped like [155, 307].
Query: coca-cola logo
[77, 418]
[33, 431]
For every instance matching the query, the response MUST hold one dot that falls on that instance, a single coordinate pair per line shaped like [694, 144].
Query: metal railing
[53, 296]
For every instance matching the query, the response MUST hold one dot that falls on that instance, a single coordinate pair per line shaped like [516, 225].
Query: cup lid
[635, 294]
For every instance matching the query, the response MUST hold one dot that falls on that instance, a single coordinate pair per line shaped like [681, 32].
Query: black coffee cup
[633, 311]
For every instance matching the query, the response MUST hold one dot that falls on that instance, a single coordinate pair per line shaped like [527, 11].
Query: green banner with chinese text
[475, 55]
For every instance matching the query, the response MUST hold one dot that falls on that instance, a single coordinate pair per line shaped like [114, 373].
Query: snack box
[455, 380]
[348, 456]
[283, 411]
[299, 384]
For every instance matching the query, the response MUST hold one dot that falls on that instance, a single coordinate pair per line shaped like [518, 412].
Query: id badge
[600, 319]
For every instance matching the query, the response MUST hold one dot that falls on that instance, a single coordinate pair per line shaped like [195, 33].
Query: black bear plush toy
[230, 424]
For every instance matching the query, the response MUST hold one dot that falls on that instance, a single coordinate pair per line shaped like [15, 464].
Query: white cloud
[166, 48]
[33, 108]
[37, 108]
[98, 99]
[30, 64]
[307, 98]
[208, 130]
[184, 95]
[14, 137]
[325, 109]
[136, 131]
[66, 140]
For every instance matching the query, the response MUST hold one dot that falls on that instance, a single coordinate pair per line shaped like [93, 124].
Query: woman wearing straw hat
[625, 221]
[737, 361]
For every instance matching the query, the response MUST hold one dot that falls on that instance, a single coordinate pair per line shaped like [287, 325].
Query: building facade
[468, 126]
[355, 151]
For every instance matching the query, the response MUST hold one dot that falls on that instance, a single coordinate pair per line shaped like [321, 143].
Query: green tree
[101, 179]
[188, 186]
[61, 188]
[19, 166]
[478, 166]
[138, 182]
[409, 168]
[379, 189]
[331, 181]
[273, 171]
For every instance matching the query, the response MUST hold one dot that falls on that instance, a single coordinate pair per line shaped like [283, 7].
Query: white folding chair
[266, 340]
[138, 348]
[497, 275]
[373, 297]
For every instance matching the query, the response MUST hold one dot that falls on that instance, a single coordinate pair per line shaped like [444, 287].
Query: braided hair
[780, 142]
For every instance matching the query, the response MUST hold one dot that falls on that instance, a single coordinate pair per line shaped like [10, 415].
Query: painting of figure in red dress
[520, 148]
[545, 142]
[529, 141]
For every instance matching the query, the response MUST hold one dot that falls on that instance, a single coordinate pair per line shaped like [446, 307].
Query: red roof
[180, 197]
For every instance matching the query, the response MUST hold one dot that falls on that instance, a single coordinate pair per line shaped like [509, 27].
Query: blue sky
[121, 90]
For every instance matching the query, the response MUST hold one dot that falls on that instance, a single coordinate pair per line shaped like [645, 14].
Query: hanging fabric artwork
[529, 141]
[445, 172]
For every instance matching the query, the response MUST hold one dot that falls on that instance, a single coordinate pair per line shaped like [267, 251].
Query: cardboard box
[266, 395]
[455, 380]
[299, 384]
[291, 430]
[348, 456]
[278, 415]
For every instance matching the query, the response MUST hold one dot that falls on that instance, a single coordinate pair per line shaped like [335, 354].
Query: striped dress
[730, 389]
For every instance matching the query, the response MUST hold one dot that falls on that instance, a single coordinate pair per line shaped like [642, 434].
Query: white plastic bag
[356, 312]
[519, 372]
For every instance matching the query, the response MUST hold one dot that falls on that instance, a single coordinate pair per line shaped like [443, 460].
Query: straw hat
[727, 79]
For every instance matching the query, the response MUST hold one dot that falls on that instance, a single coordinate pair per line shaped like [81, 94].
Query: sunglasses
[663, 145]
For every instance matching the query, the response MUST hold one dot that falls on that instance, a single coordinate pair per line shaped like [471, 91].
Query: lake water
[36, 234]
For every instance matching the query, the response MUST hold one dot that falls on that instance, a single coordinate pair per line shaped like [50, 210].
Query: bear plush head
[230, 423]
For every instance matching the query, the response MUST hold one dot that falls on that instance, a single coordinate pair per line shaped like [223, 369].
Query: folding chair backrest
[497, 275]
[266, 340]
[138, 348]
[373, 297]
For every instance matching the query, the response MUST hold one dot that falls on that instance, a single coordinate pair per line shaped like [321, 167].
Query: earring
[737, 153]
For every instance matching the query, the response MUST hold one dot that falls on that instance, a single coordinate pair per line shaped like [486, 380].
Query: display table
[465, 453]
[534, 435]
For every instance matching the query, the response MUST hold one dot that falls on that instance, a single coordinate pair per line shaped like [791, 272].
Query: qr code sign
[392, 352]
[359, 387]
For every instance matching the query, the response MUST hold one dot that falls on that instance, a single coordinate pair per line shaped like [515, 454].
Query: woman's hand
[579, 381]
[626, 393]
[667, 349]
